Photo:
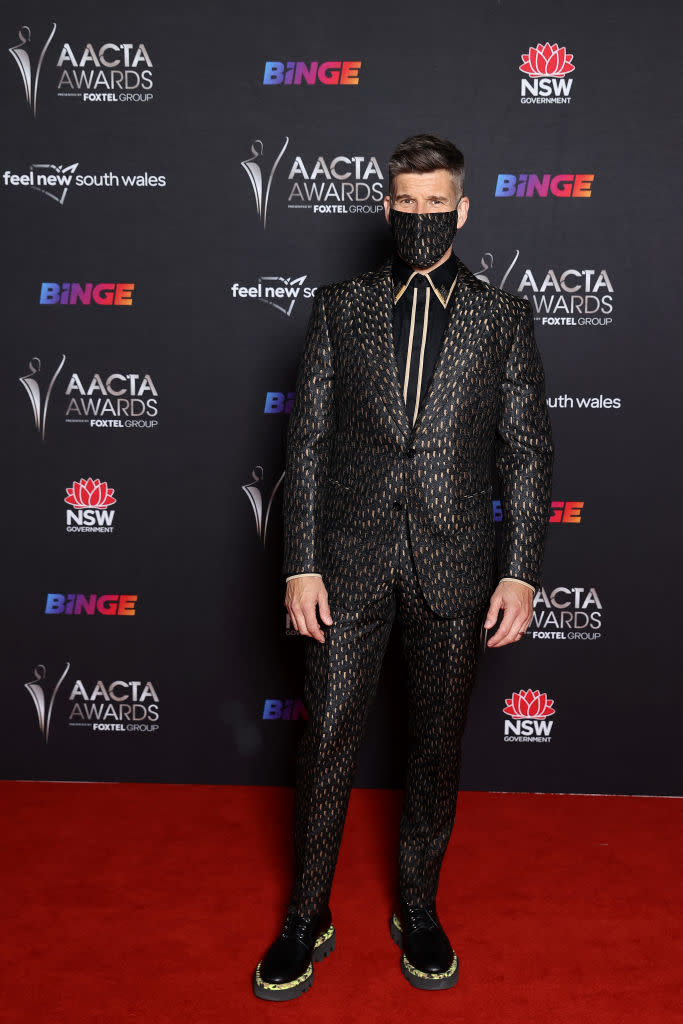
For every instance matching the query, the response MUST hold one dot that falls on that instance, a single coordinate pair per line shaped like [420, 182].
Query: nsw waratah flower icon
[90, 494]
[547, 60]
[529, 704]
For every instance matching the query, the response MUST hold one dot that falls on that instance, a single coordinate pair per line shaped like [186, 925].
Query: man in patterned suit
[414, 379]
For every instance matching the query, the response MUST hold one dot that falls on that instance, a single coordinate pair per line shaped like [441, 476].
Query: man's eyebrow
[407, 195]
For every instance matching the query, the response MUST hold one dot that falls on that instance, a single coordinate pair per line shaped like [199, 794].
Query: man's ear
[463, 210]
[387, 207]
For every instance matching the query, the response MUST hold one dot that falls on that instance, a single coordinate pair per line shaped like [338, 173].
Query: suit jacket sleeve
[524, 456]
[308, 440]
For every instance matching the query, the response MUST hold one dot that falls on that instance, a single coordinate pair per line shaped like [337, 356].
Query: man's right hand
[303, 595]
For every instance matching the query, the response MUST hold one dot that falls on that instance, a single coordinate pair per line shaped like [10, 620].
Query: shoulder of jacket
[506, 302]
[339, 290]
[512, 307]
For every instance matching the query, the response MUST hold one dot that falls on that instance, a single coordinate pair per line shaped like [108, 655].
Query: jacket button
[410, 453]
[398, 503]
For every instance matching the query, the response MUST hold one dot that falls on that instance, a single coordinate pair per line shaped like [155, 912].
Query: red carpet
[152, 903]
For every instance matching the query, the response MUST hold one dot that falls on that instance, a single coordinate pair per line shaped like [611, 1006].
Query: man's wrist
[514, 579]
[296, 575]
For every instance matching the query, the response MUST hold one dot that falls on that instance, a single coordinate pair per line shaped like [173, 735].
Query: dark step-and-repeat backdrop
[176, 182]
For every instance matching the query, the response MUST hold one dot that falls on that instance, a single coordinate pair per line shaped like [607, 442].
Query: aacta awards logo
[113, 401]
[320, 184]
[528, 711]
[567, 613]
[560, 296]
[260, 168]
[119, 706]
[256, 500]
[547, 65]
[89, 504]
[39, 391]
[104, 73]
[38, 690]
[29, 56]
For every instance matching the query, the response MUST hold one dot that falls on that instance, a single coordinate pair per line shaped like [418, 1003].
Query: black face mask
[421, 239]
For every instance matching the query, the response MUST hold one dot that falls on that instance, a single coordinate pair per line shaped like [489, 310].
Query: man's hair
[421, 153]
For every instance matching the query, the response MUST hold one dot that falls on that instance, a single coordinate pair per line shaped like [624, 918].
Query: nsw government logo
[528, 714]
[547, 65]
[89, 504]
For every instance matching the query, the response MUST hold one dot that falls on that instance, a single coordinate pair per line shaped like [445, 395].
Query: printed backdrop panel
[176, 186]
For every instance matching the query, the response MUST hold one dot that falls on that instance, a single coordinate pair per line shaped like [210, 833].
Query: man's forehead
[428, 183]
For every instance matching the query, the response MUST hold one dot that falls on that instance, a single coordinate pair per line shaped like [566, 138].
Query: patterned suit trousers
[340, 681]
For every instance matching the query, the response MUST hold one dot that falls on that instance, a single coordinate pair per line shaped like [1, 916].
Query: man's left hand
[516, 600]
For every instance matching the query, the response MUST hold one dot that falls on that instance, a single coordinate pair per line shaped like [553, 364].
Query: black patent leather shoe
[286, 970]
[428, 961]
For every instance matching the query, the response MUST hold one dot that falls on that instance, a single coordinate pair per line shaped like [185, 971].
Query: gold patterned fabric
[353, 457]
[340, 682]
[397, 518]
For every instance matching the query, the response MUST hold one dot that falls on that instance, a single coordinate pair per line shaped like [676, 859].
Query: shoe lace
[421, 918]
[296, 927]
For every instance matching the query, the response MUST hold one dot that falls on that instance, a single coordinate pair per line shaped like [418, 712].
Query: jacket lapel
[462, 337]
[375, 338]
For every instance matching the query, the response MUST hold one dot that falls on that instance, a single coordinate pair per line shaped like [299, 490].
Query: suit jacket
[355, 465]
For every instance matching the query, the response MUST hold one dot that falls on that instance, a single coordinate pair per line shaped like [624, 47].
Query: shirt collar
[442, 279]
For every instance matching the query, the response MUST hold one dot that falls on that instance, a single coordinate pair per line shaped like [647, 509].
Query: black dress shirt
[422, 303]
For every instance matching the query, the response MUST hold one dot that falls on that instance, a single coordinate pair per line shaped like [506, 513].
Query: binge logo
[526, 186]
[560, 511]
[528, 711]
[278, 401]
[89, 604]
[71, 294]
[287, 710]
[298, 72]
[547, 65]
[89, 510]
[566, 511]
